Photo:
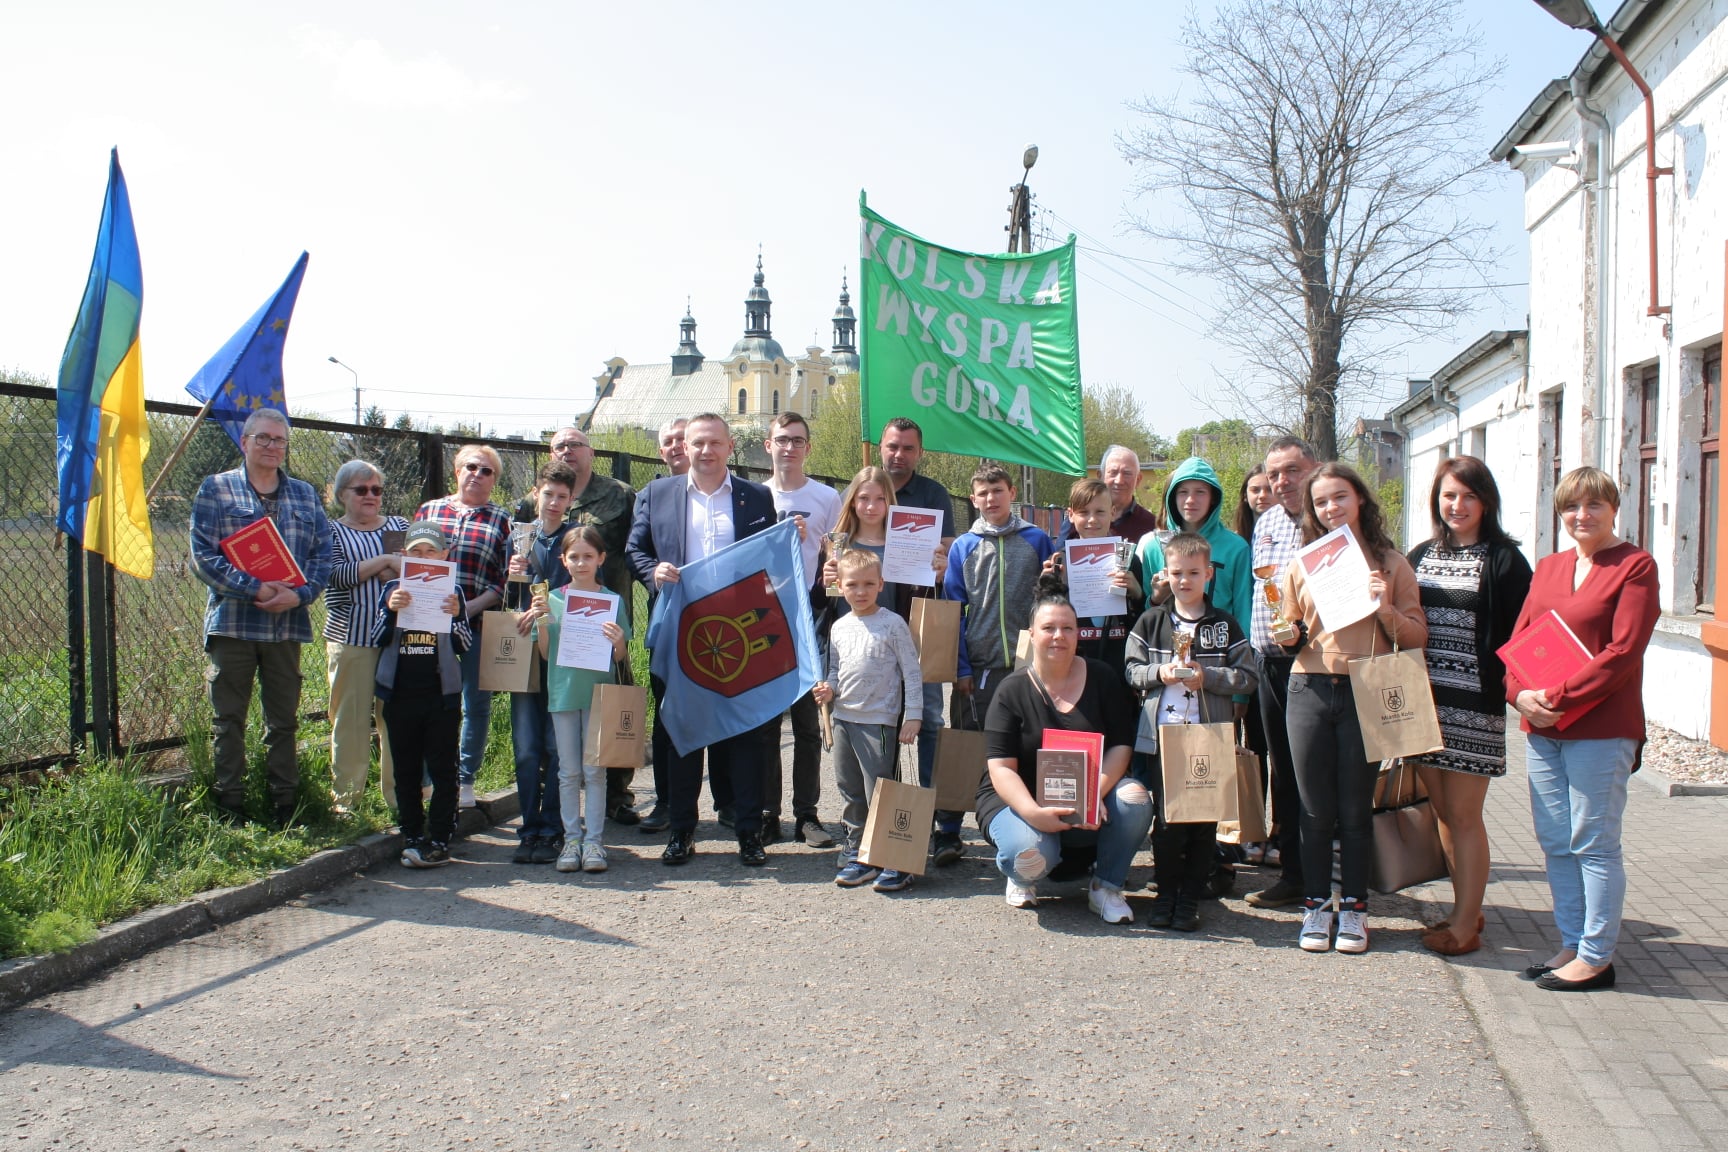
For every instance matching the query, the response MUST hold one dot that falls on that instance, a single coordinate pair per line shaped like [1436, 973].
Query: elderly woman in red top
[1586, 733]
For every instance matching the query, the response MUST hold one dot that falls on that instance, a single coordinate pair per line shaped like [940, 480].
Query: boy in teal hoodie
[1193, 502]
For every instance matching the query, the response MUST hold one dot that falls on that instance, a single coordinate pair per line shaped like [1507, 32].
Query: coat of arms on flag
[733, 639]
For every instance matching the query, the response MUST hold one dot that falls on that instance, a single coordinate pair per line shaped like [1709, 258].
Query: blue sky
[499, 198]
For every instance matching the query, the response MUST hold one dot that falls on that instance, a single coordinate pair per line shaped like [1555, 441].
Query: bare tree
[1321, 159]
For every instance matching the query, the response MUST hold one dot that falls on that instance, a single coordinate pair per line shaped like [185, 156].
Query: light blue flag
[733, 639]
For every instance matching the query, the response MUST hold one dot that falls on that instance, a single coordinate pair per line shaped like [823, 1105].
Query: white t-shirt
[820, 507]
[1179, 703]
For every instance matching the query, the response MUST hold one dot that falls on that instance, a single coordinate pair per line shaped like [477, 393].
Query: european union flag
[246, 374]
[733, 639]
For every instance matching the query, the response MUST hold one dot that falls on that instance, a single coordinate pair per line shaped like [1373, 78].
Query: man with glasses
[680, 519]
[253, 628]
[817, 507]
[606, 505]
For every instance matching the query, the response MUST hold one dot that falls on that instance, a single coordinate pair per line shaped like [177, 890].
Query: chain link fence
[91, 653]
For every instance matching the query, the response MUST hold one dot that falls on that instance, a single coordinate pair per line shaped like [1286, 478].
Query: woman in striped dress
[359, 568]
[1473, 581]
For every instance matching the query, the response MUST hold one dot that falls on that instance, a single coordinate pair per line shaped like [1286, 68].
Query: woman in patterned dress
[1473, 580]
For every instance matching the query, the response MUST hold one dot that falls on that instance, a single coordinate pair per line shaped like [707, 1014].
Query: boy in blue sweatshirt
[992, 571]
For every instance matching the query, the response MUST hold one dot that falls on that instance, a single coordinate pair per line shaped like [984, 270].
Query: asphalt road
[495, 1006]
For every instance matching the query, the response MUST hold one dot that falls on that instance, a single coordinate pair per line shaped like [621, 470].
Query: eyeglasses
[483, 469]
[790, 441]
[568, 445]
[367, 489]
[264, 441]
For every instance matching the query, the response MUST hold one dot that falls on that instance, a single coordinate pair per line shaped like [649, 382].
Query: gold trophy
[1283, 631]
[837, 542]
[1184, 646]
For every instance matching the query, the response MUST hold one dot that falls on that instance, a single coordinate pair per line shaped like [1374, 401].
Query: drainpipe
[1596, 388]
[1434, 397]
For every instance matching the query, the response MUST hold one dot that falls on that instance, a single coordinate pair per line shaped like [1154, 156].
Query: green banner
[982, 351]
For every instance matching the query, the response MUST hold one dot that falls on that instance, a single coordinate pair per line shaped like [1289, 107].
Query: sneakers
[1317, 929]
[547, 850]
[810, 831]
[524, 853]
[892, 881]
[1353, 926]
[1281, 895]
[570, 860]
[1186, 917]
[946, 849]
[424, 854]
[855, 874]
[593, 857]
[465, 795]
[1020, 895]
[1163, 911]
[1108, 902]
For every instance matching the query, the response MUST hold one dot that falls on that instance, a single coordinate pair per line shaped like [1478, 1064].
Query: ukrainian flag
[101, 435]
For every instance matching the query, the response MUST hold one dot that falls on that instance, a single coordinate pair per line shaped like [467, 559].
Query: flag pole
[180, 448]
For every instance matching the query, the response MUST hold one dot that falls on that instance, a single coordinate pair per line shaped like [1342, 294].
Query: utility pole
[356, 376]
[1020, 240]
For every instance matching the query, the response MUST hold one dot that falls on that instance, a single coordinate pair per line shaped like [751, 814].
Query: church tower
[845, 351]
[688, 357]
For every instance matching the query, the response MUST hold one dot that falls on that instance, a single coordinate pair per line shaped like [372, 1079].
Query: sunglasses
[483, 469]
[367, 489]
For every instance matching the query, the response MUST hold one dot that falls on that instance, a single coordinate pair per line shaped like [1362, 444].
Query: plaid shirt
[478, 539]
[1277, 539]
[225, 504]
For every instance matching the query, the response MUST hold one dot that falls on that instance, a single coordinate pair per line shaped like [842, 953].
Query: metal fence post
[104, 655]
[621, 466]
[75, 696]
[431, 466]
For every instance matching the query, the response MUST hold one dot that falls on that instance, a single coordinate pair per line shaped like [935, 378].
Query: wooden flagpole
[180, 448]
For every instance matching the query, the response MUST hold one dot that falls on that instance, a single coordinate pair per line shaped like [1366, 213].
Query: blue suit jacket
[663, 511]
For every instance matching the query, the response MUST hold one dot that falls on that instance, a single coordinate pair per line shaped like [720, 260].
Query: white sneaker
[1021, 895]
[570, 859]
[1352, 930]
[1317, 929]
[593, 856]
[1109, 903]
[465, 797]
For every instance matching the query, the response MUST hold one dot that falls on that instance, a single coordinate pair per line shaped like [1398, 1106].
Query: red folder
[1546, 655]
[259, 550]
[1091, 743]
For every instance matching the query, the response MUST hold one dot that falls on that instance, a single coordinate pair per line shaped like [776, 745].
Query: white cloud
[365, 73]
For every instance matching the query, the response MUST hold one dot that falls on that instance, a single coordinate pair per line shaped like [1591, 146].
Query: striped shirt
[477, 537]
[352, 604]
[1277, 539]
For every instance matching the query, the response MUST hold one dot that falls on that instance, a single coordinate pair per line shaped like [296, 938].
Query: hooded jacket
[1232, 586]
[993, 572]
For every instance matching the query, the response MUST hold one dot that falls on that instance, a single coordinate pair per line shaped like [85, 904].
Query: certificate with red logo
[914, 534]
[259, 550]
[581, 643]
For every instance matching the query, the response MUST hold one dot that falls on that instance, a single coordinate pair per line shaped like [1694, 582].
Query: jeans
[1336, 781]
[476, 715]
[581, 787]
[927, 730]
[1027, 855]
[863, 754]
[1273, 699]
[806, 762]
[423, 740]
[351, 669]
[1577, 800]
[234, 666]
[535, 745]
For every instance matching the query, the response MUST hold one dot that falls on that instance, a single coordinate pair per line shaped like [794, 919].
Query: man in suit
[680, 519]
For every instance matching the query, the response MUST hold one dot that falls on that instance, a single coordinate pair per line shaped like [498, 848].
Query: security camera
[1562, 153]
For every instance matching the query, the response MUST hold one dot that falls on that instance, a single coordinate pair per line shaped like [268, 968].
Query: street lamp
[1578, 14]
[356, 376]
[1020, 240]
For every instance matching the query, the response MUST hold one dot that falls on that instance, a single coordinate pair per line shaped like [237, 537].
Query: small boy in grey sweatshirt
[872, 679]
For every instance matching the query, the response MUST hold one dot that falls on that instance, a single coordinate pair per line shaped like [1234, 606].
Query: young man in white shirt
[817, 507]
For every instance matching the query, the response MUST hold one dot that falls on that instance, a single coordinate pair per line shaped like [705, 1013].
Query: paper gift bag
[1395, 704]
[508, 661]
[1407, 847]
[897, 831]
[1022, 649]
[617, 726]
[1249, 827]
[1199, 766]
[960, 768]
[935, 628]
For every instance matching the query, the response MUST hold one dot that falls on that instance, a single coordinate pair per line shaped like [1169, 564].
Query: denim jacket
[225, 504]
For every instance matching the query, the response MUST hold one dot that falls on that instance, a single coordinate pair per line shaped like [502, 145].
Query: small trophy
[521, 541]
[1283, 631]
[837, 542]
[1124, 555]
[1184, 645]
